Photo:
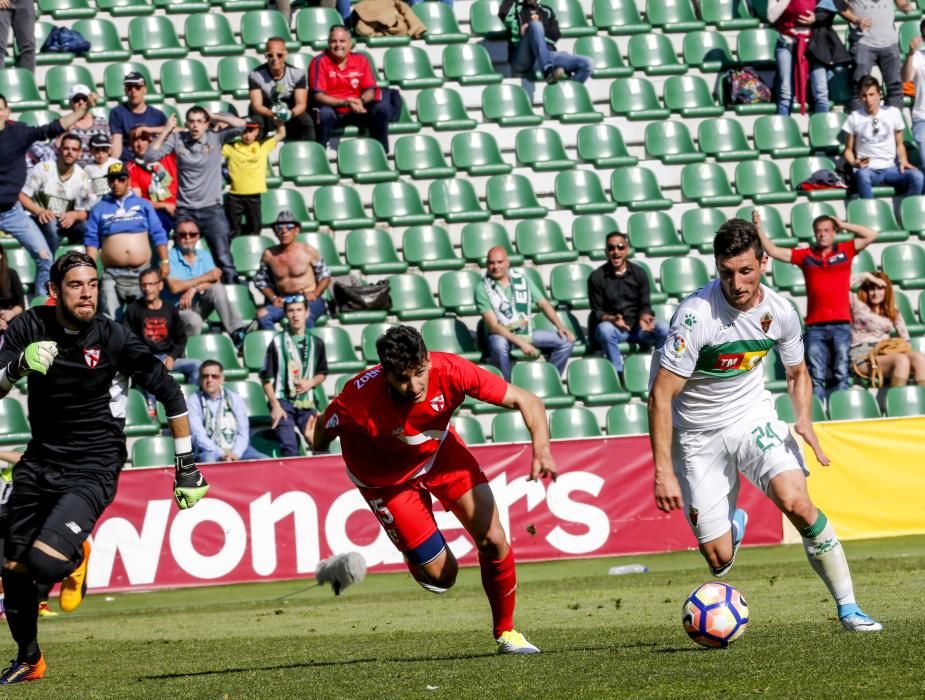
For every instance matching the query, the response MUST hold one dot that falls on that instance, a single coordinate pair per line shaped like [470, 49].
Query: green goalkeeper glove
[189, 485]
[37, 357]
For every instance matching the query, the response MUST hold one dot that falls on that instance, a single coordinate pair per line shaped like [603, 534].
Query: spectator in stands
[343, 7]
[874, 40]
[88, 126]
[195, 285]
[794, 20]
[58, 195]
[122, 229]
[295, 364]
[20, 15]
[827, 270]
[218, 419]
[15, 141]
[292, 267]
[875, 318]
[199, 167]
[533, 31]
[874, 147]
[12, 299]
[156, 182]
[621, 310]
[345, 91]
[247, 170]
[505, 300]
[131, 113]
[98, 168]
[914, 72]
[279, 92]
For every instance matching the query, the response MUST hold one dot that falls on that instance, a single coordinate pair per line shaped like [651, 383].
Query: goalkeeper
[78, 365]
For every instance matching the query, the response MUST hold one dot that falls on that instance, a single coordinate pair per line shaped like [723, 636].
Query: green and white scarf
[292, 366]
[514, 314]
[222, 428]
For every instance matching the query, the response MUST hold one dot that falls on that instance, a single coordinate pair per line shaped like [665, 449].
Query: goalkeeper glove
[37, 357]
[189, 485]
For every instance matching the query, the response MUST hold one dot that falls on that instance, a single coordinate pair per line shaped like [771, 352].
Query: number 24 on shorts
[766, 438]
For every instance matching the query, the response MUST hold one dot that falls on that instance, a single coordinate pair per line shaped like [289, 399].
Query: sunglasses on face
[294, 299]
[210, 376]
[275, 55]
[131, 88]
[616, 246]
[285, 227]
[187, 234]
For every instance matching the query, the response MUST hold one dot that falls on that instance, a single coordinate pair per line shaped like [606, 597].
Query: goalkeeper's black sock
[22, 613]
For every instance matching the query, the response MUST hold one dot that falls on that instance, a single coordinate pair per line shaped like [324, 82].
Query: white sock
[828, 560]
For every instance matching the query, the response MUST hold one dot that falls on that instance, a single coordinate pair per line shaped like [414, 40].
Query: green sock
[813, 530]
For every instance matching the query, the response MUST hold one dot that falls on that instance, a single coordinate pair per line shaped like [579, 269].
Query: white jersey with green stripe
[720, 350]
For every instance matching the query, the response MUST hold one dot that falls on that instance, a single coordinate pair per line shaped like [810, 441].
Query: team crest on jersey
[92, 357]
[438, 403]
[766, 321]
[332, 421]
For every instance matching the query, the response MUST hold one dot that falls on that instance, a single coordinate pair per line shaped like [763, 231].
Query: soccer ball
[715, 615]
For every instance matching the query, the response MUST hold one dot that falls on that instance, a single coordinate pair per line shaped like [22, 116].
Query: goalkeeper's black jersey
[77, 410]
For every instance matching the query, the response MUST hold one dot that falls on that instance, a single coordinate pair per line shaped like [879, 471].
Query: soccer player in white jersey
[711, 417]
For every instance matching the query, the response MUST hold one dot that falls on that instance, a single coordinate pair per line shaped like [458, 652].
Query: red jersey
[341, 83]
[828, 282]
[387, 442]
[140, 178]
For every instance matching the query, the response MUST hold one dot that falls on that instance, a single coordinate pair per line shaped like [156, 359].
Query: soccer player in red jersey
[400, 450]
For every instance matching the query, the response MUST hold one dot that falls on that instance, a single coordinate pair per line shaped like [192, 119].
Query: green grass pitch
[602, 636]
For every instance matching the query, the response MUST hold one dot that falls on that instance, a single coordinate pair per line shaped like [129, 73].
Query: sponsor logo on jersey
[766, 321]
[689, 320]
[332, 421]
[438, 403]
[92, 357]
[744, 361]
[73, 527]
[676, 346]
[693, 514]
[361, 382]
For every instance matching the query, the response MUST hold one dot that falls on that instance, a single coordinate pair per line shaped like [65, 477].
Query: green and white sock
[828, 560]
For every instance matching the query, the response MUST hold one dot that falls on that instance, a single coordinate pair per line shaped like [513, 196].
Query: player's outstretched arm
[533, 410]
[666, 387]
[800, 388]
[37, 357]
[189, 485]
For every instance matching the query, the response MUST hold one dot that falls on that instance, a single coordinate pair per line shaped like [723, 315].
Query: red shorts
[406, 512]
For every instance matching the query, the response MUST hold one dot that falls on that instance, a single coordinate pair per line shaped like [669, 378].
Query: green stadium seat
[761, 181]
[216, 346]
[605, 56]
[412, 298]
[878, 215]
[455, 201]
[19, 259]
[450, 335]
[155, 37]
[581, 191]
[635, 99]
[589, 234]
[372, 252]
[364, 160]
[706, 184]
[512, 197]
[571, 17]
[509, 427]
[14, 426]
[477, 153]
[725, 140]
[313, 25]
[784, 407]
[43, 58]
[430, 248]
[275, 201]
[825, 131]
[772, 222]
[186, 80]
[66, 9]
[902, 401]
[683, 276]
[246, 252]
[802, 216]
[508, 105]
[370, 333]
[340, 208]
[594, 381]
[618, 17]
[409, 68]
[484, 20]
[105, 44]
[728, 15]
[469, 64]
[324, 244]
[912, 214]
[689, 96]
[258, 411]
[780, 137]
[255, 348]
[637, 189]
[656, 294]
[422, 158]
[654, 55]
[60, 79]
[671, 143]
[788, 278]
[441, 24]
[707, 51]
[19, 88]
[467, 427]
[153, 451]
[673, 15]
[457, 291]
[138, 421]
[542, 150]
[774, 374]
[399, 204]
[755, 47]
[628, 419]
[543, 242]
[653, 233]
[699, 227]
[905, 264]
[852, 404]
[904, 306]
[182, 7]
[306, 164]
[478, 238]
[31, 117]
[211, 35]
[568, 285]
[239, 5]
[863, 262]
[602, 145]
[338, 350]
[570, 103]
[571, 423]
[114, 73]
[442, 110]
[636, 374]
[571, 323]
[258, 25]
[802, 168]
[542, 379]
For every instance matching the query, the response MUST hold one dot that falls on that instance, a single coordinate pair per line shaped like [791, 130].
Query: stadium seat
[637, 189]
[725, 140]
[442, 110]
[60, 79]
[138, 421]
[42, 58]
[412, 298]
[654, 55]
[571, 423]
[671, 143]
[371, 251]
[913, 215]
[484, 21]
[589, 234]
[239, 5]
[368, 336]
[728, 15]
[278, 200]
[509, 427]
[542, 150]
[66, 9]
[153, 451]
[477, 153]
[780, 137]
[755, 47]
[904, 306]
[364, 161]
[689, 96]
[706, 184]
[313, 25]
[467, 427]
[246, 252]
[259, 25]
[508, 105]
[653, 233]
[255, 348]
[216, 346]
[571, 17]
[602, 145]
[543, 242]
[683, 276]
[905, 401]
[707, 51]
[340, 208]
[825, 132]
[399, 204]
[155, 37]
[14, 427]
[581, 191]
[878, 215]
[324, 244]
[182, 7]
[105, 44]
[469, 64]
[31, 117]
[788, 278]
[422, 158]
[542, 379]
[19, 88]
[863, 262]
[441, 24]
[774, 374]
[450, 335]
[673, 15]
[19, 259]
[455, 201]
[635, 99]
[409, 68]
[114, 74]
[457, 291]
[338, 350]
[618, 17]
[211, 35]
[784, 407]
[605, 56]
[430, 248]
[306, 164]
[512, 197]
[258, 411]
[568, 285]
[571, 323]
[656, 294]
[186, 80]
[801, 169]
[478, 238]
[628, 419]
[802, 216]
[570, 103]
[636, 374]
[772, 222]
[905, 264]
[594, 381]
[761, 181]
[852, 404]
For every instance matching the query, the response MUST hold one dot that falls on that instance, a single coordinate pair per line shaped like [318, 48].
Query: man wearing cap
[121, 230]
[279, 91]
[88, 126]
[247, 170]
[58, 195]
[98, 168]
[292, 267]
[156, 182]
[131, 113]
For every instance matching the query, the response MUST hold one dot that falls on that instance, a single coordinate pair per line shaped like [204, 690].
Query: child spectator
[247, 169]
[98, 167]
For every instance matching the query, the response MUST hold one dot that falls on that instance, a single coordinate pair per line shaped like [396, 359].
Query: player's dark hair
[72, 137]
[616, 234]
[3, 99]
[153, 270]
[822, 219]
[868, 81]
[212, 363]
[922, 29]
[401, 349]
[197, 110]
[68, 261]
[735, 237]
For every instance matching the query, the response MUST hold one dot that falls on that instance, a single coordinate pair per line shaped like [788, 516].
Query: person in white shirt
[874, 147]
[98, 168]
[914, 72]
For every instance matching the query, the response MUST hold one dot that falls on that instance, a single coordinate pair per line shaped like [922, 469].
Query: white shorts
[707, 464]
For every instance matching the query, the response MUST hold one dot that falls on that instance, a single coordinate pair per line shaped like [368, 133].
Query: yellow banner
[875, 484]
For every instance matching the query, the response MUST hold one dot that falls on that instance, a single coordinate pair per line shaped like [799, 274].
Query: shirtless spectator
[290, 268]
